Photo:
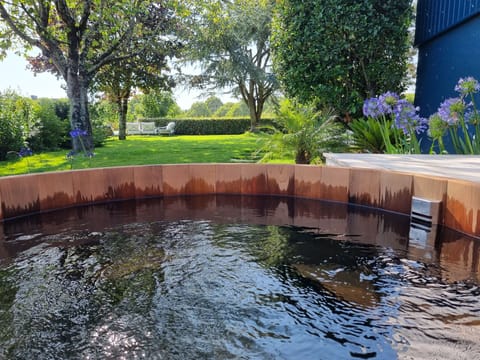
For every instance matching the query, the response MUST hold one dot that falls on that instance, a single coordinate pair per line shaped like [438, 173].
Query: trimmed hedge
[207, 126]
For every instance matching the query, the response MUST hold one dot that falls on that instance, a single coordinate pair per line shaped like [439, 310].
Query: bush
[304, 133]
[10, 136]
[100, 134]
[102, 115]
[49, 132]
[367, 135]
[340, 52]
[223, 126]
[15, 120]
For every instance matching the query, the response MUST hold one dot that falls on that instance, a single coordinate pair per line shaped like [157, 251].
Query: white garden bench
[166, 130]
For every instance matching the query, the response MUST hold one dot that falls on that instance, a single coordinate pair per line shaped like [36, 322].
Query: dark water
[235, 278]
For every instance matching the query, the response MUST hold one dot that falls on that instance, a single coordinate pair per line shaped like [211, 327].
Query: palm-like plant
[304, 133]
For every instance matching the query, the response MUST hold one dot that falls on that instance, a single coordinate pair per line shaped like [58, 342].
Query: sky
[15, 75]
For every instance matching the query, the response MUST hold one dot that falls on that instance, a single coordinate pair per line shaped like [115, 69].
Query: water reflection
[186, 278]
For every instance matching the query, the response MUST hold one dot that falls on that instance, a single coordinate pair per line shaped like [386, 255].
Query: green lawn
[143, 150]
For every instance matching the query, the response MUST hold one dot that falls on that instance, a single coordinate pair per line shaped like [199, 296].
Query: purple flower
[407, 119]
[389, 100]
[451, 110]
[371, 108]
[77, 133]
[472, 117]
[380, 106]
[25, 151]
[468, 85]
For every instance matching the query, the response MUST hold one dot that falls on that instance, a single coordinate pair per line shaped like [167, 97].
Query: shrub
[339, 52]
[206, 126]
[10, 136]
[15, 119]
[49, 132]
[303, 133]
[102, 115]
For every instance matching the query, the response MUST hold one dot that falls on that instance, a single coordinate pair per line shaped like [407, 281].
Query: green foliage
[231, 40]
[114, 45]
[213, 104]
[49, 132]
[158, 103]
[304, 133]
[340, 52]
[198, 109]
[206, 126]
[102, 114]
[10, 136]
[16, 118]
[238, 109]
[367, 135]
[224, 109]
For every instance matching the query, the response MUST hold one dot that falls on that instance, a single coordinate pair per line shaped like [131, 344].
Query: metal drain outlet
[425, 212]
[424, 218]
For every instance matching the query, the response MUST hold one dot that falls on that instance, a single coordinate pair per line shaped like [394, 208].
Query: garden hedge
[207, 126]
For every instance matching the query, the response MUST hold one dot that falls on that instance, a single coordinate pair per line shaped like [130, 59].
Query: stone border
[391, 191]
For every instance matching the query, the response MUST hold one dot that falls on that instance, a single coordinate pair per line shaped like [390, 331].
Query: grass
[144, 150]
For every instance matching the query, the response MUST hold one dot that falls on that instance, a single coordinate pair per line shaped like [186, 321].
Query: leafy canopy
[231, 41]
[340, 52]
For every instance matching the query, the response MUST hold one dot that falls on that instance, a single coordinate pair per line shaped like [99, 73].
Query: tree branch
[17, 31]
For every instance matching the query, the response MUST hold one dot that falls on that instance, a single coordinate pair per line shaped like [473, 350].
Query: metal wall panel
[437, 16]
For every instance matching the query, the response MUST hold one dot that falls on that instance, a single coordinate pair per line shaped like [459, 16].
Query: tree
[213, 103]
[78, 38]
[231, 40]
[118, 81]
[159, 104]
[340, 52]
[198, 109]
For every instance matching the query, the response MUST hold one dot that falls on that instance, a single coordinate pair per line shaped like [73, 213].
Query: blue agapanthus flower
[451, 110]
[25, 151]
[77, 133]
[380, 106]
[407, 119]
[468, 85]
[389, 100]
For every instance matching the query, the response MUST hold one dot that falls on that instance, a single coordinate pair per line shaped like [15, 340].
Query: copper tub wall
[29, 194]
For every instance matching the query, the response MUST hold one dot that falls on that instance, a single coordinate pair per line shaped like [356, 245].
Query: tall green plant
[303, 133]
[340, 52]
[16, 119]
[231, 41]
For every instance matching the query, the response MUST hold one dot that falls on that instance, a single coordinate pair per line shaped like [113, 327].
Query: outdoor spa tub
[237, 261]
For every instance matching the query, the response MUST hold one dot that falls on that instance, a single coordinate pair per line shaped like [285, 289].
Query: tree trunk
[302, 157]
[253, 115]
[255, 102]
[122, 104]
[77, 91]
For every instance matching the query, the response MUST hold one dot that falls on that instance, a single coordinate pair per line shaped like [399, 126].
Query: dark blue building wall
[448, 39]
[445, 59]
[437, 16]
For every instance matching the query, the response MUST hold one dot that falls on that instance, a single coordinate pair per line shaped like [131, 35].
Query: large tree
[231, 40]
[339, 52]
[118, 81]
[78, 38]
